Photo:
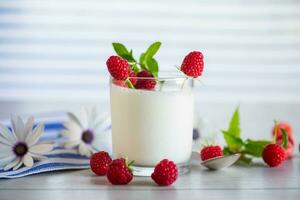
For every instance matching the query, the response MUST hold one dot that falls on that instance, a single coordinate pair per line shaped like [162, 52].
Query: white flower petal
[27, 160]
[12, 164]
[71, 143]
[6, 133]
[37, 156]
[21, 128]
[4, 141]
[34, 136]
[75, 119]
[84, 117]
[84, 150]
[5, 150]
[7, 159]
[18, 165]
[14, 122]
[18, 127]
[101, 139]
[41, 148]
[28, 126]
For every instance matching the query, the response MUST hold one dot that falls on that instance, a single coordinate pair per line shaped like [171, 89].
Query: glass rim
[163, 75]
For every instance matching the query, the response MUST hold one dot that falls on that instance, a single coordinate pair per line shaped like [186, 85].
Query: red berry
[165, 173]
[289, 150]
[132, 76]
[273, 155]
[287, 127]
[211, 152]
[193, 64]
[118, 172]
[99, 163]
[120, 83]
[145, 81]
[118, 67]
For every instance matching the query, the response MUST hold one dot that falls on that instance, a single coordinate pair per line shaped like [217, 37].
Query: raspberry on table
[273, 155]
[119, 173]
[99, 163]
[165, 173]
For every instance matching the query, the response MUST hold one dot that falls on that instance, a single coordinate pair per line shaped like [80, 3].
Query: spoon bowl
[220, 161]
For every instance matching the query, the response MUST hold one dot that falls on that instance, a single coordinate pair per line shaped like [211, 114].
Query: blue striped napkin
[59, 158]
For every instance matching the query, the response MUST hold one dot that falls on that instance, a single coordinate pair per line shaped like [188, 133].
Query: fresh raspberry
[165, 173]
[193, 64]
[132, 76]
[120, 83]
[99, 163]
[209, 152]
[118, 67]
[119, 173]
[145, 81]
[287, 127]
[288, 150]
[273, 155]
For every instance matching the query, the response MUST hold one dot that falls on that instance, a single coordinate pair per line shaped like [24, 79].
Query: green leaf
[226, 151]
[234, 126]
[255, 147]
[152, 49]
[234, 143]
[284, 138]
[128, 57]
[143, 62]
[120, 49]
[135, 68]
[152, 66]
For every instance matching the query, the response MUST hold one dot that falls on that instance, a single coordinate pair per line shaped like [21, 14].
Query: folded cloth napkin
[59, 158]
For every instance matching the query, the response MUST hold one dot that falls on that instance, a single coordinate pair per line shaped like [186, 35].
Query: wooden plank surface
[238, 182]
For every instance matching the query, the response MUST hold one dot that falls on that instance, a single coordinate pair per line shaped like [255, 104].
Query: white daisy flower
[20, 145]
[87, 132]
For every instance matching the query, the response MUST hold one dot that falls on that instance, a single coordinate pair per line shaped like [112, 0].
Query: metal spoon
[220, 162]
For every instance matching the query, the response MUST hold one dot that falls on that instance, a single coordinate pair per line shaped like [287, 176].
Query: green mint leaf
[234, 143]
[153, 48]
[234, 126]
[152, 65]
[129, 58]
[284, 138]
[226, 151]
[120, 49]
[135, 67]
[255, 147]
[143, 61]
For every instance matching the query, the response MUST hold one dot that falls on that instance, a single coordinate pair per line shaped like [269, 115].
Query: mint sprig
[146, 60]
[235, 144]
[122, 51]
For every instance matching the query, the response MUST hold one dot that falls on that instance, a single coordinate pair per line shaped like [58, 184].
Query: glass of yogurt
[151, 125]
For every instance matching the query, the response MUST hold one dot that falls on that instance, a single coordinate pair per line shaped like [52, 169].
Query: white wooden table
[237, 182]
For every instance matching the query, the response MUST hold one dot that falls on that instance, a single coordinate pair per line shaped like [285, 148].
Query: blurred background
[53, 53]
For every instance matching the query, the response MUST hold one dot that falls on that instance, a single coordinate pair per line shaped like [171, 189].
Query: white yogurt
[148, 126]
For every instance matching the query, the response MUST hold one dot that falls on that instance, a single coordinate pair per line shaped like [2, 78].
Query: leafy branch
[235, 144]
[146, 60]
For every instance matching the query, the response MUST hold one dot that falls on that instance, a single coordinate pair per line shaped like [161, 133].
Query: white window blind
[55, 50]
